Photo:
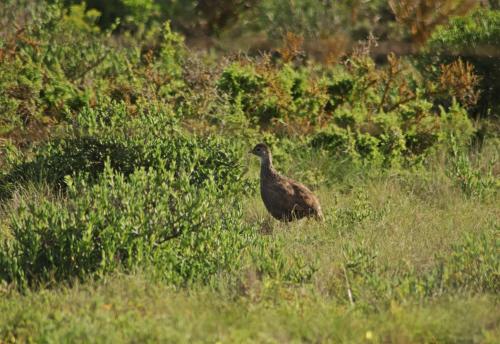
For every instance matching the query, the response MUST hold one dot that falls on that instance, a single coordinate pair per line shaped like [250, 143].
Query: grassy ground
[130, 309]
[402, 223]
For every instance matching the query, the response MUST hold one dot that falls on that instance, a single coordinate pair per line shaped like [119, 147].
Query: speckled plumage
[284, 198]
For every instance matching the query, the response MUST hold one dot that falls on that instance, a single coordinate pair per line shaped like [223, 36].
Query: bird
[285, 199]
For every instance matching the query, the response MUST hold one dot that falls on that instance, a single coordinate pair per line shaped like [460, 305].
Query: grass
[376, 232]
[132, 309]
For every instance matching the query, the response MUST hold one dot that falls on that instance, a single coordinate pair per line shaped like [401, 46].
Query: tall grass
[402, 257]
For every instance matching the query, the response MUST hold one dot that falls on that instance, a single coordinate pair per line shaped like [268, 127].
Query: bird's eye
[258, 149]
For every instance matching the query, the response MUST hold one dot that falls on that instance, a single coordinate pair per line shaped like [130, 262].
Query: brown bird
[284, 198]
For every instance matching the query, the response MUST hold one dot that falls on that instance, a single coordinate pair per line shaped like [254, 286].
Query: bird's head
[261, 150]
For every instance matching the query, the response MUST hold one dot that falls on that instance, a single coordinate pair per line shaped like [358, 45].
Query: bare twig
[346, 276]
[393, 70]
[410, 98]
[88, 68]
[348, 286]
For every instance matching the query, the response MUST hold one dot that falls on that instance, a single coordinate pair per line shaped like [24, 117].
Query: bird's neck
[266, 167]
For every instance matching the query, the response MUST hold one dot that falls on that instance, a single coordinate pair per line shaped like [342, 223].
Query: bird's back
[287, 199]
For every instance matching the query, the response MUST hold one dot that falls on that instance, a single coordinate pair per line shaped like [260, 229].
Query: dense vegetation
[127, 197]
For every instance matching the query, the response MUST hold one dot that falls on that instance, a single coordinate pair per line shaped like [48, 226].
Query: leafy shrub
[368, 147]
[473, 38]
[358, 147]
[407, 135]
[270, 95]
[385, 115]
[107, 133]
[338, 141]
[135, 199]
[391, 115]
[43, 66]
[127, 222]
[240, 83]
[132, 13]
[338, 92]
[60, 62]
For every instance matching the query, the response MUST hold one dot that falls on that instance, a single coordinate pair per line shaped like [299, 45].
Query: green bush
[138, 193]
[242, 84]
[270, 95]
[61, 62]
[152, 218]
[338, 92]
[147, 140]
[132, 13]
[341, 142]
[388, 114]
[43, 69]
[474, 38]
[406, 135]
